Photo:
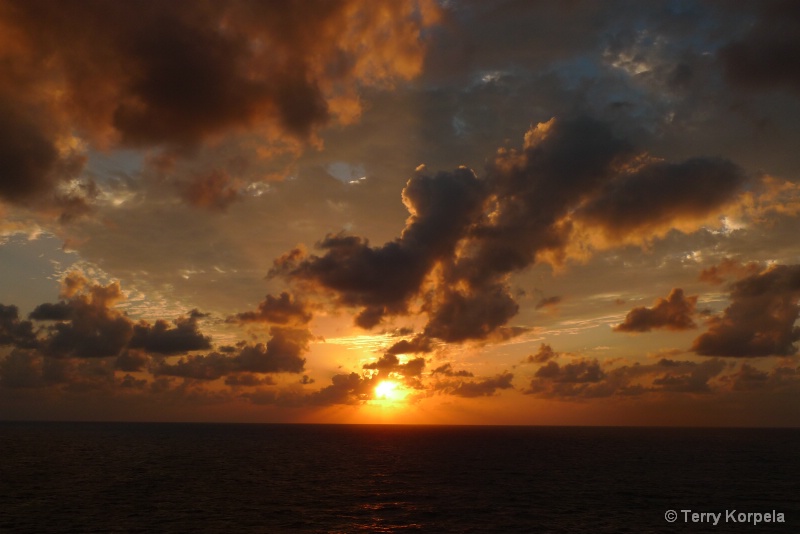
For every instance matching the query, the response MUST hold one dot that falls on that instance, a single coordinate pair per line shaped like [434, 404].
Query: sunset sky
[494, 212]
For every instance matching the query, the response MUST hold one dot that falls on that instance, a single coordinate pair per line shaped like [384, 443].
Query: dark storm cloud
[661, 193]
[694, 381]
[381, 280]
[768, 56]
[562, 162]
[588, 379]
[749, 378]
[177, 74]
[249, 380]
[87, 325]
[132, 361]
[282, 310]
[673, 313]
[447, 370]
[543, 355]
[32, 164]
[281, 354]
[457, 316]
[466, 236]
[202, 367]
[417, 344]
[163, 338]
[94, 328]
[526, 194]
[345, 389]
[760, 321]
[478, 388]
[573, 373]
[49, 311]
[389, 363]
[13, 331]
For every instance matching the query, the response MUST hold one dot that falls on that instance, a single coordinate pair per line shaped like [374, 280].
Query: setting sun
[388, 390]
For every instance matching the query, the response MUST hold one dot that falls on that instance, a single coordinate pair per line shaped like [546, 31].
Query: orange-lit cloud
[466, 235]
[673, 313]
[543, 355]
[760, 321]
[178, 75]
[729, 268]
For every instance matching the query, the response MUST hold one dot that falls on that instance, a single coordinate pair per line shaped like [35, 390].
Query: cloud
[200, 367]
[466, 235]
[694, 381]
[586, 378]
[543, 355]
[417, 344]
[283, 310]
[583, 371]
[345, 389]
[382, 280]
[353, 388]
[130, 382]
[29, 369]
[13, 331]
[548, 302]
[160, 74]
[760, 318]
[94, 329]
[750, 378]
[214, 190]
[661, 195]
[729, 268]
[389, 363]
[48, 311]
[673, 313]
[280, 355]
[132, 361]
[32, 161]
[473, 313]
[478, 388]
[307, 380]
[162, 338]
[249, 380]
[766, 56]
[447, 370]
[86, 324]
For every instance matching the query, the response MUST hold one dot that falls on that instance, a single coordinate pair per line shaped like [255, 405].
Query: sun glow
[388, 390]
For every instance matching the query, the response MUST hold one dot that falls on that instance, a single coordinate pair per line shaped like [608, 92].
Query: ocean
[228, 478]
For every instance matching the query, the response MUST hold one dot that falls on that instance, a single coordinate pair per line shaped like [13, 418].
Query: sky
[426, 212]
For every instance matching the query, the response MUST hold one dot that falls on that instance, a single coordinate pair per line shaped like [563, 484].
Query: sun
[388, 390]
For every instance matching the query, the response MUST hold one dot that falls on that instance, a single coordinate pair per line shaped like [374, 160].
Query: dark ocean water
[116, 477]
